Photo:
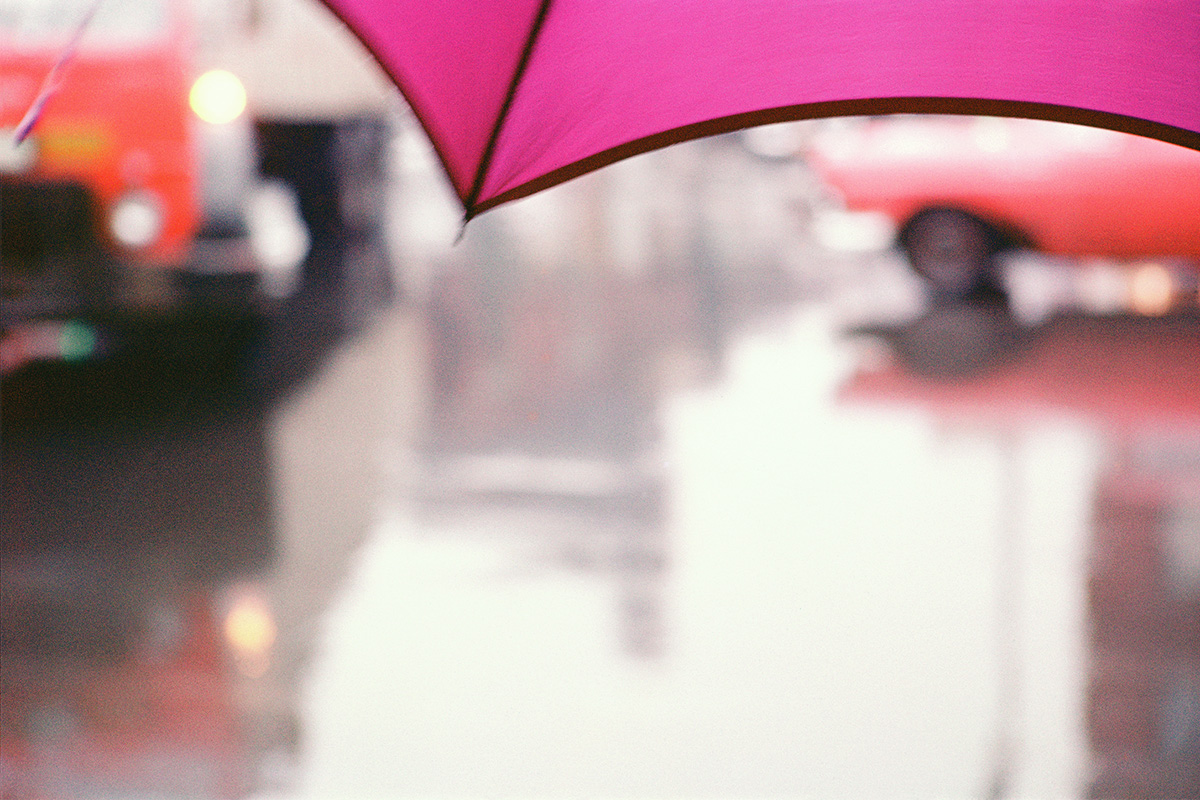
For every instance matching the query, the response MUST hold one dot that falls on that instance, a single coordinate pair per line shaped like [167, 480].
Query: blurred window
[37, 24]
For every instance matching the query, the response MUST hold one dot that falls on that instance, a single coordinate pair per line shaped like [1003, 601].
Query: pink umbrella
[519, 95]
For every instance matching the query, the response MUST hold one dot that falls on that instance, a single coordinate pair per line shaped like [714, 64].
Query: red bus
[134, 184]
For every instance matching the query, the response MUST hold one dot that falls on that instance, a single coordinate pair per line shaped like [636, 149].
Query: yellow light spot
[249, 627]
[1151, 290]
[218, 97]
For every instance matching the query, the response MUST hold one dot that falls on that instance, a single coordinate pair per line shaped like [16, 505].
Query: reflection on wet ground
[611, 520]
[1133, 383]
[138, 524]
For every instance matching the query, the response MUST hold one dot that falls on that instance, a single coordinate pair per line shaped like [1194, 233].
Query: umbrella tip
[462, 229]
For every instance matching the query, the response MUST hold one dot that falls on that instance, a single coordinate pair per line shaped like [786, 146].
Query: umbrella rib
[489, 151]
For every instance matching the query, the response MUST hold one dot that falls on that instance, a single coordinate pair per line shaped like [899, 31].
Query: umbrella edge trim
[844, 108]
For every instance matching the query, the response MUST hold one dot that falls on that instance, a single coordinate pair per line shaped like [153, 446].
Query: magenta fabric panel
[453, 61]
[606, 72]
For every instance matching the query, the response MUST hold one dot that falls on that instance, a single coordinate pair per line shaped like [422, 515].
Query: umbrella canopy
[518, 95]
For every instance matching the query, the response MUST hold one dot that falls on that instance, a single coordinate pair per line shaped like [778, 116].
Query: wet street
[614, 501]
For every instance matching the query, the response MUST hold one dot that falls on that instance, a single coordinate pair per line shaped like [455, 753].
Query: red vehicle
[135, 179]
[961, 189]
